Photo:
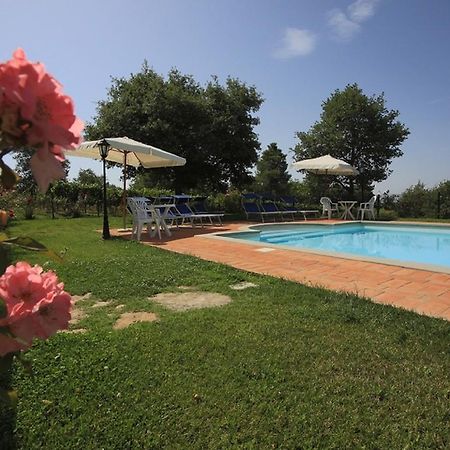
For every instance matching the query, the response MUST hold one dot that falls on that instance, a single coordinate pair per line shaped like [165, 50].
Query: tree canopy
[359, 130]
[271, 171]
[88, 177]
[27, 183]
[212, 126]
[23, 169]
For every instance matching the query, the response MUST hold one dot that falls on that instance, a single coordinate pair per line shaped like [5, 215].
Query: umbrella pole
[124, 197]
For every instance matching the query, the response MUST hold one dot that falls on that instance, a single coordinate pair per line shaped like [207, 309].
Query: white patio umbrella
[128, 152]
[326, 165]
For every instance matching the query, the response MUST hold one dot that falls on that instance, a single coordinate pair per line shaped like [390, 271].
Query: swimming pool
[414, 245]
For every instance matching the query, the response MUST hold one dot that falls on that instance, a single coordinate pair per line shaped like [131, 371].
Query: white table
[347, 205]
[160, 213]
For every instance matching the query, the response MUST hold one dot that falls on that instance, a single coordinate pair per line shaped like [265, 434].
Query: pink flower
[34, 112]
[22, 285]
[36, 303]
[46, 167]
[52, 314]
[24, 328]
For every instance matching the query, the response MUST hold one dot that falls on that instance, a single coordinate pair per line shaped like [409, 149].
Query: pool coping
[386, 261]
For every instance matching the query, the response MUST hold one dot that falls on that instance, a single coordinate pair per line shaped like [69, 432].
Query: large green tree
[271, 171]
[359, 130]
[212, 126]
[27, 183]
[88, 177]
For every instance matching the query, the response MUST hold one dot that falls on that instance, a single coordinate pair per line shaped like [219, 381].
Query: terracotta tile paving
[421, 291]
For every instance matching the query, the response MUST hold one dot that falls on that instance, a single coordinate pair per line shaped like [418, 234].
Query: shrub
[443, 191]
[387, 215]
[416, 201]
[229, 202]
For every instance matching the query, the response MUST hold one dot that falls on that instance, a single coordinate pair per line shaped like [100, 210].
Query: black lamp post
[104, 150]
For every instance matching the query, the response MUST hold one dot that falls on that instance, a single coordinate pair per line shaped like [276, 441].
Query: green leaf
[29, 243]
[8, 397]
[26, 242]
[8, 177]
[3, 237]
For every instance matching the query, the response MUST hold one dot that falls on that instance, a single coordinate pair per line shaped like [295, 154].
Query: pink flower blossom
[22, 285]
[36, 303]
[35, 113]
[46, 167]
[52, 314]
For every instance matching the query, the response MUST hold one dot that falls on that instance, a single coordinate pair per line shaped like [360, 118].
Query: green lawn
[282, 366]
[423, 219]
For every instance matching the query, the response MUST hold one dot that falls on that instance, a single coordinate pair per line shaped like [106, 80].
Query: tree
[416, 201]
[359, 130]
[211, 126]
[88, 177]
[27, 183]
[443, 191]
[271, 171]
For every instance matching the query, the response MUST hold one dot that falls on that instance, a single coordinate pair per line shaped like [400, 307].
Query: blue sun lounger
[288, 205]
[250, 203]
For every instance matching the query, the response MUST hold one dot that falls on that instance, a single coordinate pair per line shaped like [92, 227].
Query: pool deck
[422, 291]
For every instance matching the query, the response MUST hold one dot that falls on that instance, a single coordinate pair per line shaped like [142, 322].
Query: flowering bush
[34, 114]
[35, 305]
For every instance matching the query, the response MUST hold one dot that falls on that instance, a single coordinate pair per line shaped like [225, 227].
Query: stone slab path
[422, 291]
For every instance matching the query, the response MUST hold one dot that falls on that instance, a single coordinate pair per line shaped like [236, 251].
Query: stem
[5, 371]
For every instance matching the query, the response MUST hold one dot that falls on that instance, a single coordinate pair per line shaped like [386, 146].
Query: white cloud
[361, 10]
[296, 42]
[439, 100]
[345, 26]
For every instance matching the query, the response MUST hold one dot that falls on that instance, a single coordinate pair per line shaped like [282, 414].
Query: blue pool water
[413, 244]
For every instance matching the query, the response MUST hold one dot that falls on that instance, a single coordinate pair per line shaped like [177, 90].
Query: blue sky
[295, 52]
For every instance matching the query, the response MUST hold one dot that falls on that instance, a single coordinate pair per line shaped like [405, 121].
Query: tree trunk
[52, 202]
[351, 189]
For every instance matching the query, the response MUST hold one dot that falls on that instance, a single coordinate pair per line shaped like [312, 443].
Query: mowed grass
[282, 366]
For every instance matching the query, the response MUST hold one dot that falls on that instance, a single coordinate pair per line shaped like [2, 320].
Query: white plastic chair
[368, 207]
[142, 215]
[328, 207]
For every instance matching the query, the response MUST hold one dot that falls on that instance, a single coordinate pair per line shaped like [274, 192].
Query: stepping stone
[76, 315]
[127, 319]
[77, 298]
[243, 285]
[101, 304]
[75, 331]
[183, 301]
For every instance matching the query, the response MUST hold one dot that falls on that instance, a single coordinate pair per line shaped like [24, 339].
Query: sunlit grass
[282, 366]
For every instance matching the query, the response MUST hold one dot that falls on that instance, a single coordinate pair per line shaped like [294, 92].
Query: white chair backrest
[326, 203]
[372, 201]
[139, 207]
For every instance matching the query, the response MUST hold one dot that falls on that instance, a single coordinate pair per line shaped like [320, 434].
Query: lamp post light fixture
[104, 150]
